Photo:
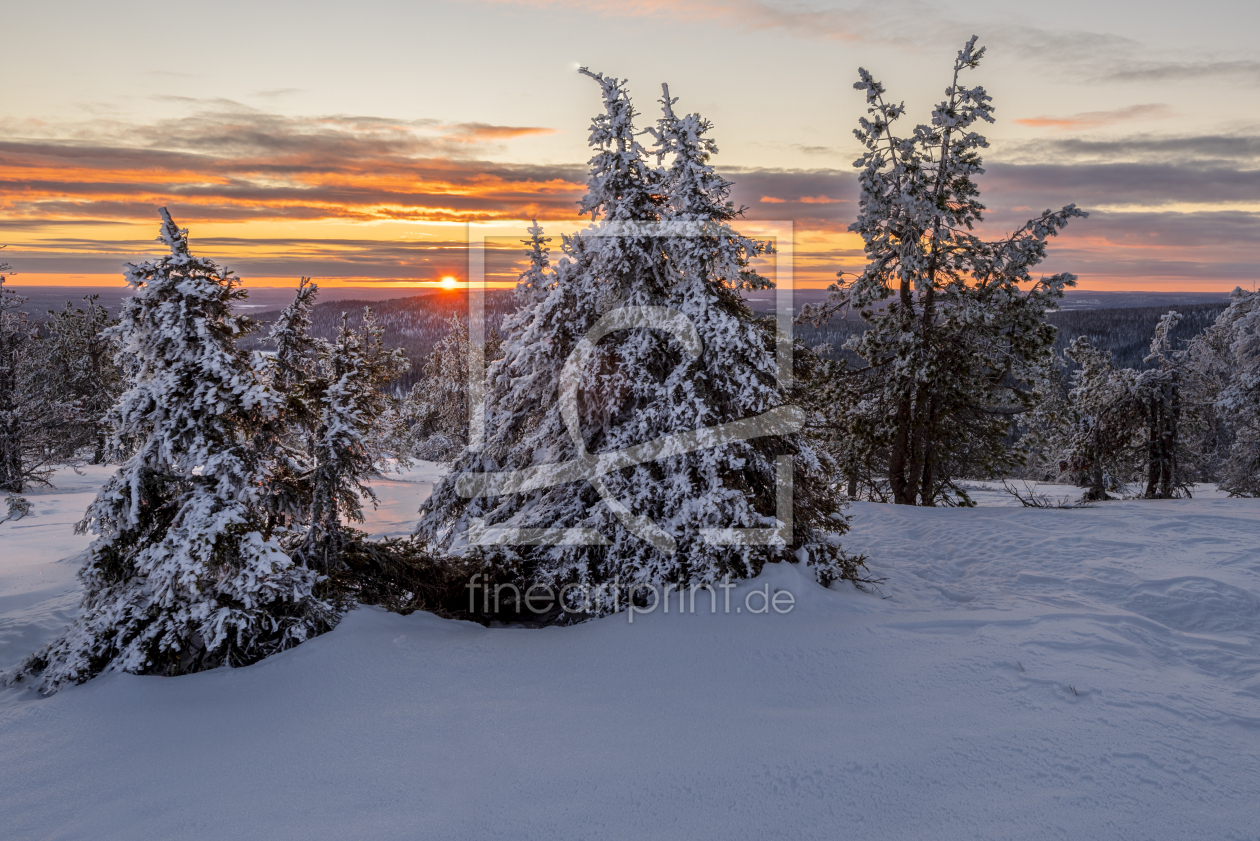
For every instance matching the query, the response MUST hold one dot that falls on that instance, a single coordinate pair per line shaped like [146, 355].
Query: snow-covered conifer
[78, 366]
[535, 282]
[184, 574]
[1239, 400]
[1125, 425]
[286, 441]
[348, 399]
[296, 349]
[675, 351]
[16, 337]
[436, 408]
[1099, 440]
[34, 416]
[954, 353]
[1159, 391]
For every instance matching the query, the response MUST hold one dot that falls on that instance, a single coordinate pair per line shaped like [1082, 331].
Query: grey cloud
[1112, 184]
[816, 150]
[277, 92]
[1244, 70]
[1205, 149]
[227, 128]
[366, 258]
[790, 188]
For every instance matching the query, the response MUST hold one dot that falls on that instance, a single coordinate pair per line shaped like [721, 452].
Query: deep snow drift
[1028, 674]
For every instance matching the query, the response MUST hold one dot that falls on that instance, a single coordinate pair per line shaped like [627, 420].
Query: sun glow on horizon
[449, 282]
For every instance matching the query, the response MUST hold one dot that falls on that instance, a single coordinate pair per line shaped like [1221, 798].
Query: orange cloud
[1097, 119]
[367, 198]
[482, 132]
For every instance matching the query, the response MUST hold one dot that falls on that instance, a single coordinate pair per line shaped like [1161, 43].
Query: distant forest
[415, 323]
[418, 322]
[1124, 333]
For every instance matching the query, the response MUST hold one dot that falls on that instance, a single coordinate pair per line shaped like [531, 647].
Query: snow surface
[944, 710]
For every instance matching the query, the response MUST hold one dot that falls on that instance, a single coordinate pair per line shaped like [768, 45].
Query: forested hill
[1126, 333]
[415, 323]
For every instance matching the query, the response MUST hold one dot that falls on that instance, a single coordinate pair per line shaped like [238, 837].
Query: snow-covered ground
[1084, 674]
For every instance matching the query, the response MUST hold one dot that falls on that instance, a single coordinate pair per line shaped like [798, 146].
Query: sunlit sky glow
[355, 144]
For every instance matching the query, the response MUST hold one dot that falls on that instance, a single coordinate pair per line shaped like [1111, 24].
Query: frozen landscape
[1023, 673]
[962, 546]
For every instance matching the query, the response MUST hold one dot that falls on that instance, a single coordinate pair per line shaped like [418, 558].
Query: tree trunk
[914, 471]
[1162, 423]
[927, 487]
[1097, 480]
[901, 455]
[900, 451]
[1153, 424]
[1168, 440]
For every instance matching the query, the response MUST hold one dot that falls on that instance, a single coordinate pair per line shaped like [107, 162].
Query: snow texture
[943, 711]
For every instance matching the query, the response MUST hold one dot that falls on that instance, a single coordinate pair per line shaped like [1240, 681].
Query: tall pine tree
[955, 342]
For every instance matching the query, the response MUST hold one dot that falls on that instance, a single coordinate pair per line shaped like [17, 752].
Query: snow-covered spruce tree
[1158, 391]
[1126, 425]
[1239, 400]
[78, 365]
[296, 350]
[33, 416]
[638, 384]
[1042, 433]
[348, 399]
[952, 356]
[16, 338]
[183, 575]
[535, 282]
[1099, 439]
[436, 407]
[1208, 367]
[333, 433]
[287, 441]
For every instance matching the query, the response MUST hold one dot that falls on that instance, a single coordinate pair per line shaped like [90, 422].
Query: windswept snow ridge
[1029, 673]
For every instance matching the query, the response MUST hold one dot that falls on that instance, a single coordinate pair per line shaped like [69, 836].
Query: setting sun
[449, 282]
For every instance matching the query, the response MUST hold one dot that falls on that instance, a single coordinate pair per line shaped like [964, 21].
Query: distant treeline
[1124, 333]
[415, 324]
[419, 322]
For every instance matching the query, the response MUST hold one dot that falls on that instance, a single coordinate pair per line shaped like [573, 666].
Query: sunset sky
[355, 142]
